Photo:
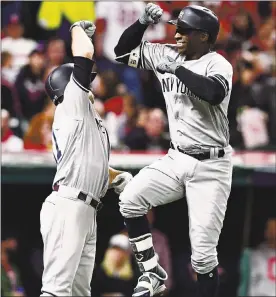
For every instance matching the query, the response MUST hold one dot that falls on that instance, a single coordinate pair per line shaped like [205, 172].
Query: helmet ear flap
[57, 81]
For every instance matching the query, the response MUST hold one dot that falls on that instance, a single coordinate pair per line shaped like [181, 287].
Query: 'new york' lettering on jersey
[194, 124]
[173, 84]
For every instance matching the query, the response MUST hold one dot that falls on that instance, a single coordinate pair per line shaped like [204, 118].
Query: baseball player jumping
[196, 84]
[81, 149]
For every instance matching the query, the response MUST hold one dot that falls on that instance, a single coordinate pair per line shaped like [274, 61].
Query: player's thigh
[149, 188]
[207, 194]
[46, 216]
[83, 277]
[63, 237]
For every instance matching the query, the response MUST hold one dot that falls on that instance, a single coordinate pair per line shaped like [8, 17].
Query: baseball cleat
[149, 285]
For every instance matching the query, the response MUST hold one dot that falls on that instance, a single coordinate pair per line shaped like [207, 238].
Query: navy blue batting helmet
[57, 81]
[198, 18]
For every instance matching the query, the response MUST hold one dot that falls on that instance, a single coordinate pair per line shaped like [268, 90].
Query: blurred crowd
[35, 40]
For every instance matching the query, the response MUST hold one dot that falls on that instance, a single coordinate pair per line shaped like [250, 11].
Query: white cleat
[149, 285]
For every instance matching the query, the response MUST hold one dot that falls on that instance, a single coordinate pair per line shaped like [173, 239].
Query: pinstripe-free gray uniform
[68, 224]
[194, 123]
[195, 126]
[80, 143]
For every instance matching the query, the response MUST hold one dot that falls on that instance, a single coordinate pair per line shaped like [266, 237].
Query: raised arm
[132, 36]
[83, 52]
[76, 94]
[82, 45]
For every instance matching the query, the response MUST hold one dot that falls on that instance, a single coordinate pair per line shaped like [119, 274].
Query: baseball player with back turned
[196, 84]
[81, 149]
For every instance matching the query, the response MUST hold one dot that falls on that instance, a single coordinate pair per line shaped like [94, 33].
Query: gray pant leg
[83, 277]
[64, 228]
[151, 187]
[207, 196]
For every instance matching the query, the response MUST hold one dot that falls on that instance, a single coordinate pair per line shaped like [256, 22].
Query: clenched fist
[120, 181]
[152, 14]
[168, 65]
[88, 27]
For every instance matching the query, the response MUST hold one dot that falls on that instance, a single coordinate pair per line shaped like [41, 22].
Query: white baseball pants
[68, 228]
[207, 185]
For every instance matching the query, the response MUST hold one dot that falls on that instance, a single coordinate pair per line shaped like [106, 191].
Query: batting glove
[88, 27]
[169, 65]
[152, 14]
[120, 181]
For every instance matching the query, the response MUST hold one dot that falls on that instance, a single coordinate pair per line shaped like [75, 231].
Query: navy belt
[199, 156]
[82, 196]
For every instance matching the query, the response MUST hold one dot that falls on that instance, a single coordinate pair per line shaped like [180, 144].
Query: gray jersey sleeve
[147, 55]
[222, 71]
[76, 100]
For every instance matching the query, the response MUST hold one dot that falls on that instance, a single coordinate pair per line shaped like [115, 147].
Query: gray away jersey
[194, 124]
[80, 143]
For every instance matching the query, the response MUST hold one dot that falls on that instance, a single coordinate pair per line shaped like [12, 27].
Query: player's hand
[168, 65]
[151, 15]
[88, 27]
[120, 181]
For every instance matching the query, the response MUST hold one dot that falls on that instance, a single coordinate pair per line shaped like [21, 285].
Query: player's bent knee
[204, 266]
[131, 207]
[129, 210]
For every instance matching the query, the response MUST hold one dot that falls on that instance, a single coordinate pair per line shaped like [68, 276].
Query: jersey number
[56, 150]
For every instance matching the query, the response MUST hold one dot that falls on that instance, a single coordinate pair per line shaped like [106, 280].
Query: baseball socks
[208, 284]
[140, 239]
